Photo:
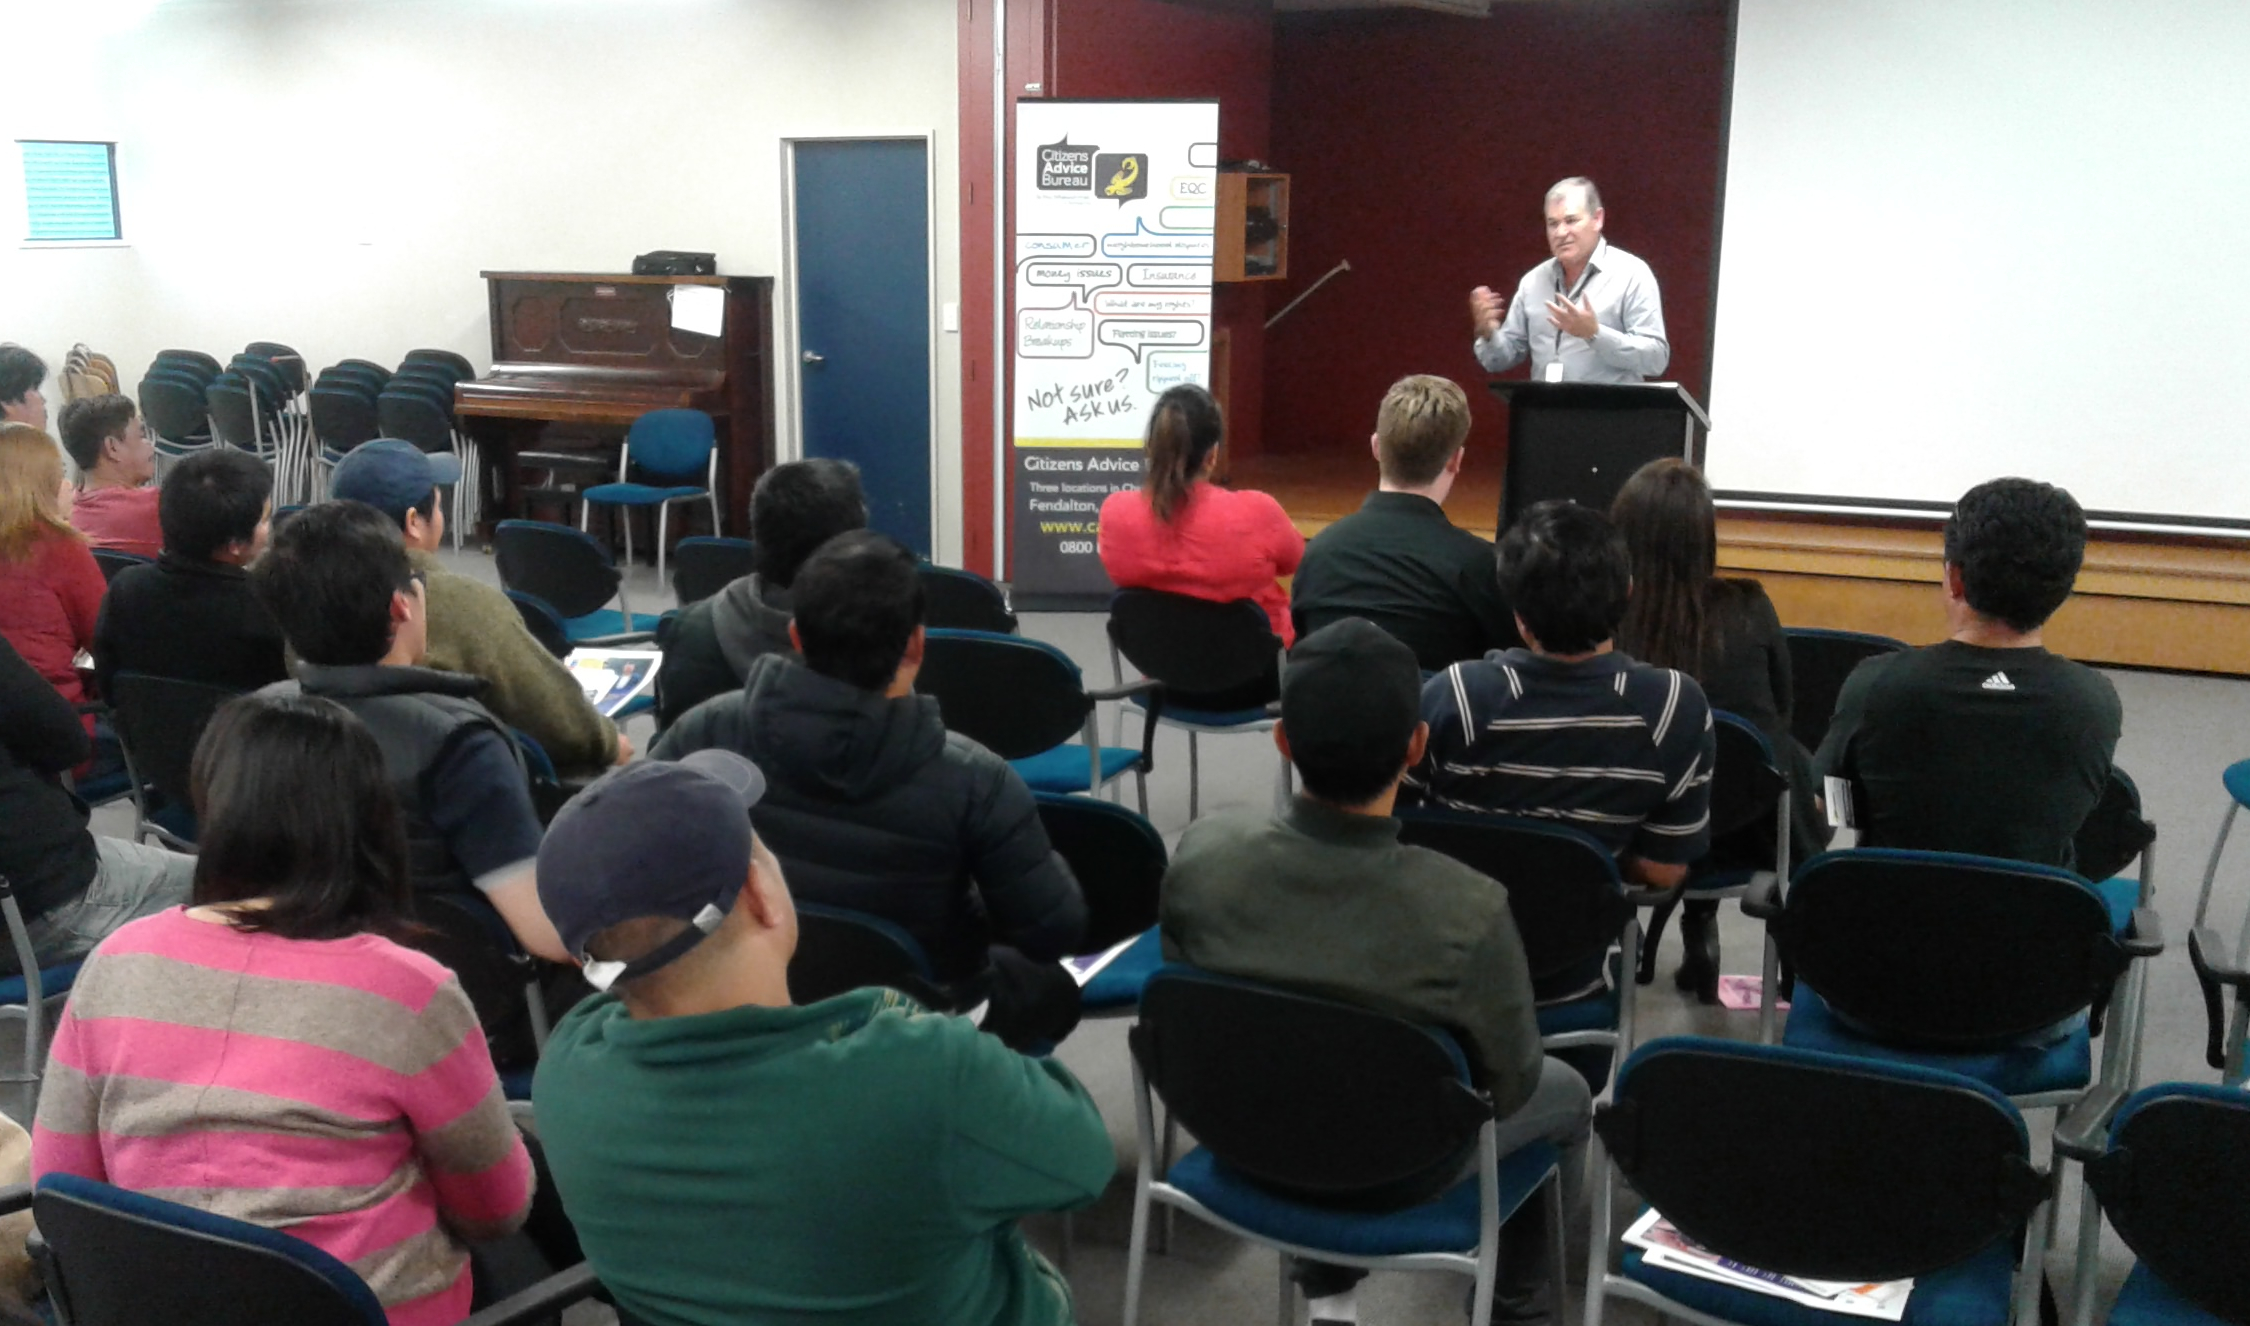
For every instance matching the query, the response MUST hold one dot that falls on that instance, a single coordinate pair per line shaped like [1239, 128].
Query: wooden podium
[1583, 440]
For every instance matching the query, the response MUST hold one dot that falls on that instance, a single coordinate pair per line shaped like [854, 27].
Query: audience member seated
[50, 588]
[1567, 728]
[1398, 561]
[74, 887]
[1327, 900]
[708, 645]
[116, 502]
[1724, 633]
[473, 627]
[1984, 742]
[351, 605]
[726, 1156]
[1186, 535]
[21, 375]
[192, 616]
[271, 1053]
[875, 807]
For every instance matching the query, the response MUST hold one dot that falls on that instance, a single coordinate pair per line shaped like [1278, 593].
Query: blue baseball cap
[666, 838]
[392, 476]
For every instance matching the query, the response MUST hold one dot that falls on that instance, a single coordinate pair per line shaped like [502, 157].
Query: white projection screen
[1968, 238]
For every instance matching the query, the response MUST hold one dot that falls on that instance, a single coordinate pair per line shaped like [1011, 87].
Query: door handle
[814, 357]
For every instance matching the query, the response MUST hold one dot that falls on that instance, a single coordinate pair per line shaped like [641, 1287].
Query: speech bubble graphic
[1142, 242]
[1054, 246]
[1138, 335]
[1165, 275]
[1153, 303]
[1084, 277]
[1194, 189]
[1167, 370]
[1055, 333]
[1064, 168]
[1186, 218]
[1204, 155]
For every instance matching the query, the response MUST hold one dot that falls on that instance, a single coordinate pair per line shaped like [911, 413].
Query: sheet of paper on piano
[699, 308]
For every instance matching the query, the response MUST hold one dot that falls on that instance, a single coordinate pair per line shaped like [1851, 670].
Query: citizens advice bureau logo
[1067, 167]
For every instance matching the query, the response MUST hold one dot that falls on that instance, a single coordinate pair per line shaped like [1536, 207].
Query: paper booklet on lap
[1667, 1249]
[611, 678]
[1084, 968]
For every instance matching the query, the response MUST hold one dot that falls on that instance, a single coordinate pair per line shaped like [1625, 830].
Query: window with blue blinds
[70, 190]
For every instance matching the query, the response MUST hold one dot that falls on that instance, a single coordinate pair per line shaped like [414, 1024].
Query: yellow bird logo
[1121, 184]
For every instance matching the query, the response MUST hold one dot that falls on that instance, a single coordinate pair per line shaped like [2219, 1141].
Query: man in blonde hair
[1398, 561]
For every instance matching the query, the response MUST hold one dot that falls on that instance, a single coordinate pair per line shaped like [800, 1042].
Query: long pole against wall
[1001, 283]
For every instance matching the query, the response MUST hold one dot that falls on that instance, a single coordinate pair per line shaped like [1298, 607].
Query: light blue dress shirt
[1628, 346]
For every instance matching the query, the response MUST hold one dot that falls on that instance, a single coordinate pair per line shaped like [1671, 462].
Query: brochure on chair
[612, 678]
[1667, 1249]
[1084, 968]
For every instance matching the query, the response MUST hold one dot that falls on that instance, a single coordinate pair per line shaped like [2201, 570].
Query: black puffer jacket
[872, 805]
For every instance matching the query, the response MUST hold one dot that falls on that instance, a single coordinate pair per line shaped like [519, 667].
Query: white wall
[333, 174]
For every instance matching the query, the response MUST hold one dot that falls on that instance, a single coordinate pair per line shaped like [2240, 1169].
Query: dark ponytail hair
[1671, 535]
[294, 806]
[1182, 434]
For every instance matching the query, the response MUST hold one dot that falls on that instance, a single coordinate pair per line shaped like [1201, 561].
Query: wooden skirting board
[2141, 601]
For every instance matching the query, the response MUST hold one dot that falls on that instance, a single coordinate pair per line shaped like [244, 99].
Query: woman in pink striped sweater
[270, 1052]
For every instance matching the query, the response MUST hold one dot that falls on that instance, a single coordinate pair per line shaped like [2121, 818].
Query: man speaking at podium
[1590, 315]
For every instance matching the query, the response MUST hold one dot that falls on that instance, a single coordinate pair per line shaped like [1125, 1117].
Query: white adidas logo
[1998, 681]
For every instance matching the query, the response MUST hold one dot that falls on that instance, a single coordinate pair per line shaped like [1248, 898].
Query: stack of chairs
[174, 408]
[341, 405]
[416, 404]
[85, 374]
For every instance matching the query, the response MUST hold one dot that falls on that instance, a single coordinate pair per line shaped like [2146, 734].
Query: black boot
[1699, 936]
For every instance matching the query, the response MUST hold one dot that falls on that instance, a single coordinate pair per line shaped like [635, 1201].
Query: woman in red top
[50, 587]
[1186, 535]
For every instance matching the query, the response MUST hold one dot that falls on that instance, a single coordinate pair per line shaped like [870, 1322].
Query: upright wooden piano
[576, 357]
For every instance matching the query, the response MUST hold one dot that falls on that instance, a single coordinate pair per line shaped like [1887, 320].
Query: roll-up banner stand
[1114, 209]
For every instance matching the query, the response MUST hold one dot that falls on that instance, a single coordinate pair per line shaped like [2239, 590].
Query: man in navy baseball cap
[727, 1156]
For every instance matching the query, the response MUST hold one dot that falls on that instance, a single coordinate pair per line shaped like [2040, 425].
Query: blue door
[863, 321]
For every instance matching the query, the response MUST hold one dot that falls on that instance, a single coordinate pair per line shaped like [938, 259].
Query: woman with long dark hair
[1186, 535]
[272, 1052]
[1720, 630]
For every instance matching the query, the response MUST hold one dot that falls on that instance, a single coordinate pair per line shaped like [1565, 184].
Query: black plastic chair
[1324, 1130]
[1820, 1167]
[2169, 1165]
[1570, 908]
[1118, 857]
[1201, 654]
[1024, 700]
[195, 363]
[704, 564]
[572, 574]
[342, 418]
[422, 414]
[544, 623]
[1749, 828]
[113, 560]
[963, 600]
[460, 367]
[235, 415]
[159, 720]
[1959, 963]
[31, 999]
[1819, 660]
[379, 372]
[840, 950]
[118, 1258]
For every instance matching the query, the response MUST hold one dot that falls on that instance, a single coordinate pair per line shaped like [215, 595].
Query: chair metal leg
[664, 528]
[2081, 1311]
[1287, 1315]
[1136, 1247]
[1558, 1254]
[2211, 868]
[1597, 1233]
[1195, 778]
[1164, 1166]
[2025, 1311]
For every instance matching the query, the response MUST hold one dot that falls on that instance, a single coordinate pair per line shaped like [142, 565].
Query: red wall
[1129, 49]
[1420, 147]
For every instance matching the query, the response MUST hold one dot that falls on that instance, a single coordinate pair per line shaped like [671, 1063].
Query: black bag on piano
[674, 262]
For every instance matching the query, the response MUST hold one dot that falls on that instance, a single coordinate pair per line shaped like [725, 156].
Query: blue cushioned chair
[1819, 661]
[1023, 700]
[673, 448]
[704, 564]
[119, 1258]
[158, 721]
[839, 950]
[1325, 1131]
[1569, 905]
[2216, 968]
[574, 576]
[32, 996]
[1819, 1166]
[1200, 653]
[1993, 969]
[1749, 832]
[2169, 1165]
[1119, 860]
[963, 600]
[114, 560]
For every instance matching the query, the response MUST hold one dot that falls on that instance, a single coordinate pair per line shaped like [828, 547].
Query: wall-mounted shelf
[1251, 237]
